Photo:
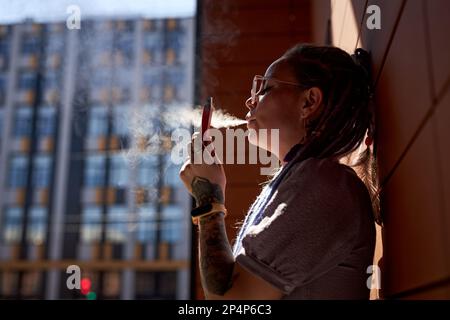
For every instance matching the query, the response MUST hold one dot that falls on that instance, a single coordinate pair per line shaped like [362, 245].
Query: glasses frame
[255, 95]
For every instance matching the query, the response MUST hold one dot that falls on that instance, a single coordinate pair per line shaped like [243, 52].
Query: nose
[249, 104]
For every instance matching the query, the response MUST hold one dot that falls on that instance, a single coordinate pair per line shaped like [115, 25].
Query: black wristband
[201, 210]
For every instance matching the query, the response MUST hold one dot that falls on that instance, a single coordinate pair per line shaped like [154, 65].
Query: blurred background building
[74, 191]
[78, 182]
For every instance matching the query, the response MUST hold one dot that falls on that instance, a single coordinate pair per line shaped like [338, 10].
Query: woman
[310, 234]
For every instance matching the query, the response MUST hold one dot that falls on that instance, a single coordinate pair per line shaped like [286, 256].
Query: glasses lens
[258, 84]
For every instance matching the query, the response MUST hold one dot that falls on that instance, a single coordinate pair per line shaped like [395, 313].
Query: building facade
[79, 183]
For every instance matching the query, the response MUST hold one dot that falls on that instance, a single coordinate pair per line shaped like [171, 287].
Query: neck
[284, 150]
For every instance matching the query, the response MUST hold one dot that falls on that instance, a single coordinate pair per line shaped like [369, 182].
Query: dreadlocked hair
[347, 118]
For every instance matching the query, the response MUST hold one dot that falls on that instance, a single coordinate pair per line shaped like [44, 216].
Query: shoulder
[328, 186]
[324, 173]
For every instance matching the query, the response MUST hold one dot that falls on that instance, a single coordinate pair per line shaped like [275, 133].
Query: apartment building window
[172, 224]
[32, 284]
[4, 46]
[98, 121]
[37, 225]
[153, 40]
[46, 121]
[42, 169]
[91, 227]
[3, 61]
[1, 122]
[27, 80]
[125, 26]
[146, 231]
[125, 47]
[111, 285]
[175, 76]
[117, 225]
[171, 174]
[147, 171]
[9, 283]
[22, 123]
[121, 121]
[101, 79]
[94, 172]
[12, 225]
[30, 44]
[168, 284]
[175, 40]
[52, 80]
[18, 172]
[55, 43]
[145, 285]
[118, 173]
[2, 88]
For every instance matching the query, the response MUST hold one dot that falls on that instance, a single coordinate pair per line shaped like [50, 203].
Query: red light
[85, 285]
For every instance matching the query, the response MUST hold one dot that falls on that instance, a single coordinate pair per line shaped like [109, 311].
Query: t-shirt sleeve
[309, 226]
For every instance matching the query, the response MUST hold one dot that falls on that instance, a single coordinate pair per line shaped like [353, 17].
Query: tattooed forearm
[206, 192]
[215, 255]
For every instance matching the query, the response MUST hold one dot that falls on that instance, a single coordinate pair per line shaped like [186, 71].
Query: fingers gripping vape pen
[208, 109]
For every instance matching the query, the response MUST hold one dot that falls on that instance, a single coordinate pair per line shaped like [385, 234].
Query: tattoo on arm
[206, 192]
[215, 255]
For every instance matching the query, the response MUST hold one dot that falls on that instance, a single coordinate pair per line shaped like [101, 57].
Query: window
[2, 87]
[98, 121]
[111, 285]
[18, 172]
[3, 63]
[171, 174]
[117, 226]
[92, 224]
[12, 225]
[101, 78]
[46, 121]
[22, 125]
[171, 227]
[4, 46]
[145, 285]
[1, 122]
[51, 80]
[27, 80]
[152, 78]
[175, 40]
[175, 76]
[118, 171]
[153, 40]
[147, 171]
[31, 285]
[9, 283]
[55, 43]
[121, 121]
[146, 224]
[30, 45]
[125, 47]
[42, 170]
[37, 225]
[168, 284]
[94, 172]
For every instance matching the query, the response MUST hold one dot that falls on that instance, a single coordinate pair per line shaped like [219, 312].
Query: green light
[91, 296]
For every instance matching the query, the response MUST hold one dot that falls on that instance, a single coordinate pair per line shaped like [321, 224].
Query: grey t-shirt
[313, 236]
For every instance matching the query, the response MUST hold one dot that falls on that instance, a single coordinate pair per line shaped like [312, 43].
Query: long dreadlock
[347, 118]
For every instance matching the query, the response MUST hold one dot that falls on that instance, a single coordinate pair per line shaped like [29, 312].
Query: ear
[312, 102]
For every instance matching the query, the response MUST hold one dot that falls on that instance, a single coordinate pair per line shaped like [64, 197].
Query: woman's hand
[206, 182]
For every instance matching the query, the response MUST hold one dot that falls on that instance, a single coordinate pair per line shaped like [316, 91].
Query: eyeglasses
[260, 83]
